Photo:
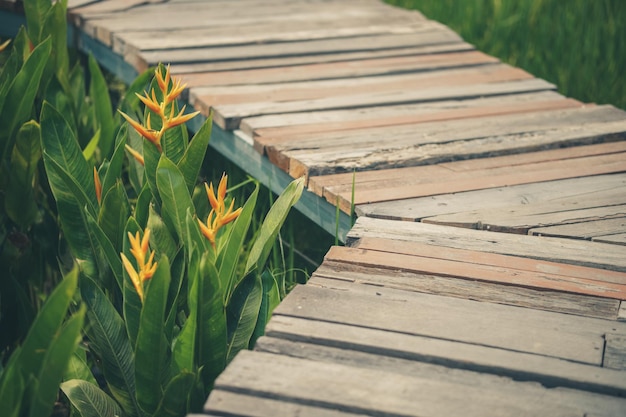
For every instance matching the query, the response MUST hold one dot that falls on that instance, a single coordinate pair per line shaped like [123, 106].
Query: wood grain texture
[415, 209]
[426, 390]
[523, 367]
[569, 251]
[601, 229]
[615, 351]
[539, 299]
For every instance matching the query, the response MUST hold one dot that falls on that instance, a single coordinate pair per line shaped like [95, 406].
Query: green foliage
[30, 380]
[576, 44]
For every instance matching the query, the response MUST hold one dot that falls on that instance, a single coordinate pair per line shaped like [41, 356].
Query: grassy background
[579, 45]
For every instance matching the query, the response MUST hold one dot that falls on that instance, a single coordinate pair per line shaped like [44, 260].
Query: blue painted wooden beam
[226, 143]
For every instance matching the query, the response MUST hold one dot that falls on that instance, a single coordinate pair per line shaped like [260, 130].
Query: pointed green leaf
[108, 250]
[176, 396]
[103, 110]
[243, 313]
[114, 170]
[55, 26]
[174, 195]
[89, 399]
[114, 213]
[78, 368]
[151, 348]
[228, 259]
[271, 225]
[109, 341]
[192, 160]
[55, 363]
[160, 236]
[12, 387]
[271, 299]
[22, 90]
[19, 201]
[35, 11]
[92, 146]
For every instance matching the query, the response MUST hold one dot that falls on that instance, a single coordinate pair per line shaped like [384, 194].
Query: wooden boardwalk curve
[486, 273]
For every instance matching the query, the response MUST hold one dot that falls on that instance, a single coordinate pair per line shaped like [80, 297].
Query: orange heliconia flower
[97, 184]
[162, 108]
[219, 215]
[146, 268]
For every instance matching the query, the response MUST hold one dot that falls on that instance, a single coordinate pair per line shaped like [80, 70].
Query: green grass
[579, 45]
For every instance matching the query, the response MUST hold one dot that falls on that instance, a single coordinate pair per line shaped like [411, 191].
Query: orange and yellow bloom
[163, 108]
[219, 215]
[140, 250]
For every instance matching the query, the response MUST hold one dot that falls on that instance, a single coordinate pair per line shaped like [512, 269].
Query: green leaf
[89, 400]
[78, 368]
[108, 251]
[35, 11]
[114, 170]
[142, 208]
[92, 146]
[174, 141]
[174, 195]
[212, 323]
[243, 313]
[19, 201]
[130, 104]
[176, 396]
[109, 341]
[192, 160]
[60, 145]
[183, 350]
[271, 299]
[271, 225]
[12, 387]
[228, 259]
[57, 357]
[114, 213]
[151, 348]
[151, 156]
[55, 26]
[160, 236]
[103, 110]
[23, 90]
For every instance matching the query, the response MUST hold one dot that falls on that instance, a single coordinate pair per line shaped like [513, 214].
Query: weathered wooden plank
[570, 251]
[284, 126]
[538, 218]
[553, 269]
[424, 391]
[129, 41]
[520, 366]
[615, 351]
[543, 299]
[585, 230]
[621, 314]
[229, 115]
[618, 239]
[315, 89]
[267, 63]
[513, 328]
[479, 271]
[415, 209]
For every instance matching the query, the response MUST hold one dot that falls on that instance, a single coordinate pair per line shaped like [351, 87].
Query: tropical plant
[175, 283]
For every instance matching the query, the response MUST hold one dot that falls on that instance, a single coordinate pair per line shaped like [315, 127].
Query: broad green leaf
[271, 299]
[109, 341]
[60, 145]
[183, 349]
[152, 347]
[177, 295]
[160, 236]
[89, 400]
[212, 322]
[142, 208]
[19, 52]
[78, 368]
[12, 387]
[132, 303]
[174, 142]
[195, 238]
[175, 197]
[19, 201]
[108, 251]
[35, 11]
[176, 396]
[195, 153]
[114, 213]
[114, 170]
[55, 363]
[243, 313]
[99, 93]
[228, 259]
[151, 156]
[46, 325]
[92, 146]
[23, 90]
[271, 225]
[55, 26]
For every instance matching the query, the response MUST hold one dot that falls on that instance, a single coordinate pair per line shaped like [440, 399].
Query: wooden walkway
[486, 274]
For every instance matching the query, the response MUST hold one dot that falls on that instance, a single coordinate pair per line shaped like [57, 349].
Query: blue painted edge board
[226, 143]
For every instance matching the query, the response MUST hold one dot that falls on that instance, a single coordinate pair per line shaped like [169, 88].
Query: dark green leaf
[89, 400]
[271, 299]
[161, 237]
[109, 252]
[175, 197]
[99, 92]
[151, 348]
[35, 11]
[78, 368]
[243, 313]
[114, 170]
[114, 213]
[195, 153]
[176, 396]
[109, 341]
